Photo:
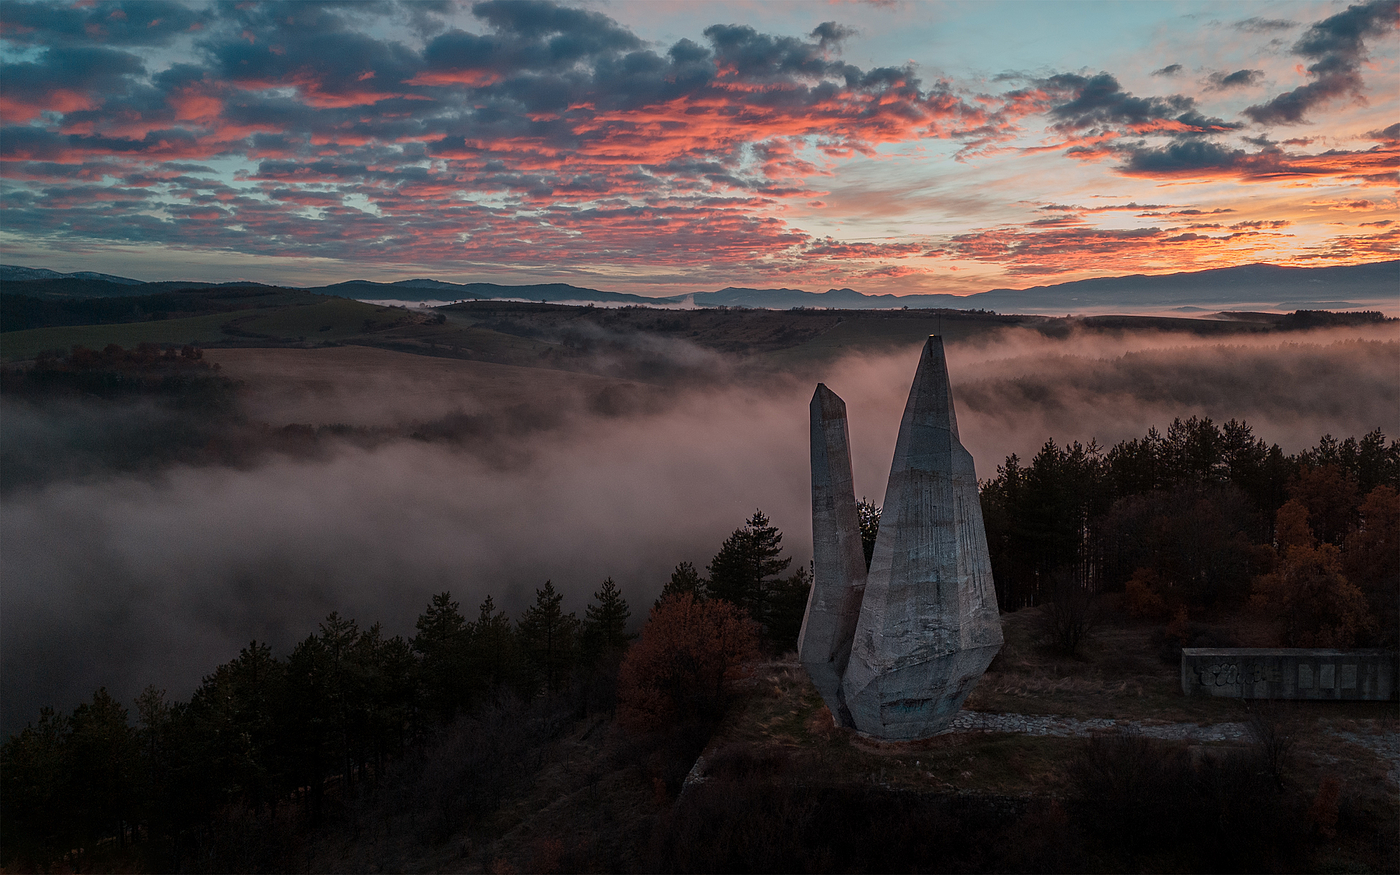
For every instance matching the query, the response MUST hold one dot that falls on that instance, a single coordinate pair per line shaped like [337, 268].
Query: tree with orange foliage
[679, 670]
[1372, 559]
[1319, 607]
[1331, 497]
[1142, 594]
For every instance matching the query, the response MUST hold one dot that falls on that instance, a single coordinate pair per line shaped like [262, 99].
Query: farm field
[328, 319]
[18, 345]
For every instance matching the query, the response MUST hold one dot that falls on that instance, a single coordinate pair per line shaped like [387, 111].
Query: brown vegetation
[682, 667]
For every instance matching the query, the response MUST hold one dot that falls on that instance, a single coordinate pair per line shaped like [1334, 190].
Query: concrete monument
[895, 652]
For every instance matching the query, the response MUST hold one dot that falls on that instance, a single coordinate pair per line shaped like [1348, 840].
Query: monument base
[915, 701]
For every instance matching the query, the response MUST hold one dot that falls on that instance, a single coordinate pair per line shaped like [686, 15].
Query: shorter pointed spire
[838, 558]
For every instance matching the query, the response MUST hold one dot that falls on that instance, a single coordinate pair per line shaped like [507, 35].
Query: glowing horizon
[662, 149]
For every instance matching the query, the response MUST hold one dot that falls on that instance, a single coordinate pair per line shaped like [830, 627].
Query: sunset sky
[661, 148]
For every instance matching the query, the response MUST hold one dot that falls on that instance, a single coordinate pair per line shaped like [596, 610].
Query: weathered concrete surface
[838, 558]
[929, 624]
[1288, 673]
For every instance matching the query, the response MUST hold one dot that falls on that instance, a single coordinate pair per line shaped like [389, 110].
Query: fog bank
[127, 580]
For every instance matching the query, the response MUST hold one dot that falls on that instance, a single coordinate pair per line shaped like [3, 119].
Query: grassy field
[17, 345]
[783, 710]
[329, 319]
[1117, 675]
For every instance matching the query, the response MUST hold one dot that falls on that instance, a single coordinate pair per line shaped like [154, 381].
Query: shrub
[680, 669]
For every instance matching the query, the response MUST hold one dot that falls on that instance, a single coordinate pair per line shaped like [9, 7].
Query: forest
[1205, 518]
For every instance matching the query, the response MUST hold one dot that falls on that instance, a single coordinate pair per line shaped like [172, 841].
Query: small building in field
[1288, 673]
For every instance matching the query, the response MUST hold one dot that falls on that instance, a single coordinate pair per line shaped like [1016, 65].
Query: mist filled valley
[145, 543]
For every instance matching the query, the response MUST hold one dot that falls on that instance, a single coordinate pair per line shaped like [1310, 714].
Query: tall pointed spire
[928, 623]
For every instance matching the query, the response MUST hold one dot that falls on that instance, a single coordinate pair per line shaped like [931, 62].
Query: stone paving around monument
[1071, 727]
[1385, 745]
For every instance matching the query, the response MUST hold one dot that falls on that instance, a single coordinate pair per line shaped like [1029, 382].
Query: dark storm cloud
[331, 68]
[568, 34]
[1390, 135]
[761, 57]
[1264, 25]
[1194, 157]
[1238, 79]
[127, 23]
[1100, 102]
[35, 144]
[1338, 47]
[829, 33]
[65, 79]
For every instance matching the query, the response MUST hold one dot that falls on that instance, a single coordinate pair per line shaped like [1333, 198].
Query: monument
[894, 652]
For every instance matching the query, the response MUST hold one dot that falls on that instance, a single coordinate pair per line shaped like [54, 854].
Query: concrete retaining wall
[1288, 673]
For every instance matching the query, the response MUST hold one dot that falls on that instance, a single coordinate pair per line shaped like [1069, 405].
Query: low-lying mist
[130, 579]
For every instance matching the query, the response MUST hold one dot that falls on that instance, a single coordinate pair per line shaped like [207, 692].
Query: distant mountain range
[1256, 285]
[14, 273]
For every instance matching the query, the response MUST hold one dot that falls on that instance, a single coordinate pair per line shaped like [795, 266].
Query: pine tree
[548, 635]
[104, 757]
[605, 623]
[444, 639]
[685, 579]
[745, 564]
[493, 654]
[39, 818]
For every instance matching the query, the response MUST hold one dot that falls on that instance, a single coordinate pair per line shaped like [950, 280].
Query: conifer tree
[787, 603]
[685, 579]
[548, 636]
[443, 639]
[605, 623]
[746, 563]
[104, 758]
[493, 653]
[233, 718]
[36, 780]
